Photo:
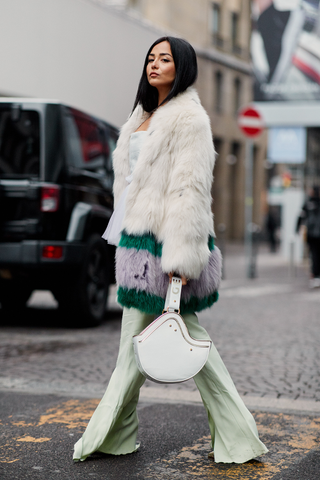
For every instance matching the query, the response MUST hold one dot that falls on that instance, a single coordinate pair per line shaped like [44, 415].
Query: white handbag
[164, 351]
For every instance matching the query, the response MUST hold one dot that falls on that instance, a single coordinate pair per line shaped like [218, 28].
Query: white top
[136, 141]
[113, 231]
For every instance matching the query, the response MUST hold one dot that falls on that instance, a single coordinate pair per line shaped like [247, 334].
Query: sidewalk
[267, 332]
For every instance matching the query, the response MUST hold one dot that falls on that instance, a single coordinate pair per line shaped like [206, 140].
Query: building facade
[220, 32]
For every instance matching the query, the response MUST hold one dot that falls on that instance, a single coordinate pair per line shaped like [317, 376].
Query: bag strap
[172, 302]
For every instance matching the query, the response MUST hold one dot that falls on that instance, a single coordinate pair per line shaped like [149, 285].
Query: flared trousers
[113, 426]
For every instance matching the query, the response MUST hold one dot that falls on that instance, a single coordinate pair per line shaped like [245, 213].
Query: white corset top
[114, 228]
[136, 141]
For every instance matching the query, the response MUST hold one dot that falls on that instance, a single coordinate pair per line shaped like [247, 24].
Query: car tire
[84, 298]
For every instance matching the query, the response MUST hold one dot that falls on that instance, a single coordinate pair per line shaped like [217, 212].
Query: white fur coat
[170, 195]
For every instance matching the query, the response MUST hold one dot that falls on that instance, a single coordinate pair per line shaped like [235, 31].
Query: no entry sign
[250, 121]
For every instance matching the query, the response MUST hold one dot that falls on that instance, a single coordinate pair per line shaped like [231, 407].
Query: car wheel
[86, 298]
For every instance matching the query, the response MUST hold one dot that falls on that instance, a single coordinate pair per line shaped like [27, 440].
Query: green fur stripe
[152, 304]
[145, 302]
[141, 242]
[211, 243]
[197, 304]
[148, 242]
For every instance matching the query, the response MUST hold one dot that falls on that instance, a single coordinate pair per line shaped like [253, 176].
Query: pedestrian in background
[310, 218]
[163, 225]
[271, 228]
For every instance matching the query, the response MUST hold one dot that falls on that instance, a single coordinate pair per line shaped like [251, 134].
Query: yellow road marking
[72, 413]
[9, 461]
[22, 423]
[288, 437]
[32, 439]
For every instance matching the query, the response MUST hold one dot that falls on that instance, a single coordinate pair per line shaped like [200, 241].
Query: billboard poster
[285, 49]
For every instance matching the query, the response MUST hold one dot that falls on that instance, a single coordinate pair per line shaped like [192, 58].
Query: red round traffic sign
[250, 121]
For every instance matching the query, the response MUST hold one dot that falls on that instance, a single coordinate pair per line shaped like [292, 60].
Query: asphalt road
[267, 332]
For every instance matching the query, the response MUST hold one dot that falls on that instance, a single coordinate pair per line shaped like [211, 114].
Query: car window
[110, 140]
[86, 146]
[19, 143]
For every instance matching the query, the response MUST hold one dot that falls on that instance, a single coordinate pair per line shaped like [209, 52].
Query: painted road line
[288, 437]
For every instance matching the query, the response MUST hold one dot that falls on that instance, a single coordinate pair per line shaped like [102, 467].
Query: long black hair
[185, 62]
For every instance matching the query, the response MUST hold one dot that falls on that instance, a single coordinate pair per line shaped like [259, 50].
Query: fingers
[183, 279]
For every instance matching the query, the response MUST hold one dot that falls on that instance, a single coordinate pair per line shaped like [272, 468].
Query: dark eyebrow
[161, 54]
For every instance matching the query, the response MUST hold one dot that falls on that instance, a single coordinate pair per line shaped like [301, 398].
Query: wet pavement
[267, 332]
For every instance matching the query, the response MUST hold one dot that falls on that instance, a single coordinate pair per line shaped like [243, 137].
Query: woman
[163, 168]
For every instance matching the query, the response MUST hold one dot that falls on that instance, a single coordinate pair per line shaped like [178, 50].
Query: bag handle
[172, 301]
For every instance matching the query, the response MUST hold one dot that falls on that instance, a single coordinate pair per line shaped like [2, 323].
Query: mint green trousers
[113, 426]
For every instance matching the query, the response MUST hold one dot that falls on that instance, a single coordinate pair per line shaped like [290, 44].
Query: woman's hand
[184, 279]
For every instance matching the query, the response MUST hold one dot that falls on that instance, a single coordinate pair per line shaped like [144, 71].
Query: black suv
[55, 202]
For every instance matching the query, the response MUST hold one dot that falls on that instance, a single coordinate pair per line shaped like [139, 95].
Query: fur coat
[168, 223]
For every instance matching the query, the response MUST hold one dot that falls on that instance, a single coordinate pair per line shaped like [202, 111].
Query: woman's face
[161, 70]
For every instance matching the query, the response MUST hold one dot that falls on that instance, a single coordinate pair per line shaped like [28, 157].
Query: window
[135, 4]
[215, 19]
[215, 24]
[235, 152]
[86, 145]
[237, 95]
[218, 91]
[19, 143]
[111, 140]
[235, 33]
[91, 139]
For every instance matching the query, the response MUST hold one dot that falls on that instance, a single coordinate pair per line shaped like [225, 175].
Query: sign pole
[249, 209]
[251, 124]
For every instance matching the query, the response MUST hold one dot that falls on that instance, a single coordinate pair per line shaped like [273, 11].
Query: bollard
[292, 268]
[255, 232]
